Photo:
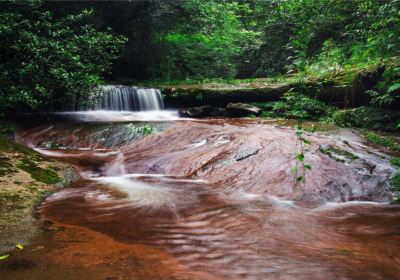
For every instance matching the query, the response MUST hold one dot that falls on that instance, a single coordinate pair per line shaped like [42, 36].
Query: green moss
[337, 154]
[389, 142]
[8, 146]
[5, 166]
[47, 176]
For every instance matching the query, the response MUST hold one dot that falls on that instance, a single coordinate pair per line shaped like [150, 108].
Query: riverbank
[342, 88]
[26, 178]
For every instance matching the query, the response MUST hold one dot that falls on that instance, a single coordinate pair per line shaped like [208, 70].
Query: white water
[120, 116]
[124, 98]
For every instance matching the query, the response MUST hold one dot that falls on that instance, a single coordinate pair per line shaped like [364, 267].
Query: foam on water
[142, 194]
[120, 116]
[327, 206]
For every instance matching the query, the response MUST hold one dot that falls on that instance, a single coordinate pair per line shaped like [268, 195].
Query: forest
[200, 139]
[54, 53]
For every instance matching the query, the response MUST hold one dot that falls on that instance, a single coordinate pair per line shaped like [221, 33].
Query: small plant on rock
[300, 168]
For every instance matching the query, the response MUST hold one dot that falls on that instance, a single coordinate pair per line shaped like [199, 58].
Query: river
[209, 199]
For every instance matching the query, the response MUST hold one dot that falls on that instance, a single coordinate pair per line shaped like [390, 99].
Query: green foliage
[325, 35]
[48, 61]
[394, 182]
[143, 129]
[386, 141]
[300, 168]
[395, 161]
[298, 106]
[367, 117]
[388, 90]
[207, 43]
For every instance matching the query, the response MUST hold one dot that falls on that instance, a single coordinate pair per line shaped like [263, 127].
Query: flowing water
[210, 199]
[124, 98]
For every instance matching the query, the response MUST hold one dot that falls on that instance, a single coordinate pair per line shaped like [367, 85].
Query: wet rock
[202, 111]
[196, 112]
[242, 109]
[337, 154]
[21, 264]
[28, 180]
[241, 155]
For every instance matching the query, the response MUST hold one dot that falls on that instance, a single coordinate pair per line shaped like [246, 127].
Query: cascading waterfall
[124, 98]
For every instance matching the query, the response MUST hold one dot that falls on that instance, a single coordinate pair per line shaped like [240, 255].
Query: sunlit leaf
[3, 257]
[300, 157]
[19, 246]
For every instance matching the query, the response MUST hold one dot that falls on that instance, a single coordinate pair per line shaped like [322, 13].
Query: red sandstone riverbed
[214, 199]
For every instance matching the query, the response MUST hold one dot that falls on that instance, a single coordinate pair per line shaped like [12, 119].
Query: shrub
[368, 117]
[49, 61]
[299, 106]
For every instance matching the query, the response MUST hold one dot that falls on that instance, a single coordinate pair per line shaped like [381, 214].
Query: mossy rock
[337, 154]
[46, 176]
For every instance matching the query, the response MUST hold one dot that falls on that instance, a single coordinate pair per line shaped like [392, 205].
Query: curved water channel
[210, 199]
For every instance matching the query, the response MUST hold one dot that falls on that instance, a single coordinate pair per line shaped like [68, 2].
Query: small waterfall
[124, 98]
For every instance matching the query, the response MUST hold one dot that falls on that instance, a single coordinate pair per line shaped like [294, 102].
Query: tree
[207, 40]
[49, 62]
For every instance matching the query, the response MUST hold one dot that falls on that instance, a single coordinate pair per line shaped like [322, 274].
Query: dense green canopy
[54, 52]
[47, 62]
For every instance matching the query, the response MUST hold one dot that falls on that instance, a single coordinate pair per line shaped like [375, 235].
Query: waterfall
[124, 98]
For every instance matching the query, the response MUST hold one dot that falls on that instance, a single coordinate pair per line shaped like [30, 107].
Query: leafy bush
[389, 142]
[388, 90]
[299, 106]
[368, 117]
[48, 61]
[206, 44]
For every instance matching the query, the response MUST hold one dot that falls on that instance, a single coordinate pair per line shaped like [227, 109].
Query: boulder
[242, 109]
[202, 111]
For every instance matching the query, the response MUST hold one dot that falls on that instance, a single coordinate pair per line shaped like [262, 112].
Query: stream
[209, 199]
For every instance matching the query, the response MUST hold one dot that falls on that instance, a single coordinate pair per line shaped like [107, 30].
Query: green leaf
[300, 157]
[306, 141]
[394, 87]
[3, 257]
[300, 179]
[293, 171]
[307, 166]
